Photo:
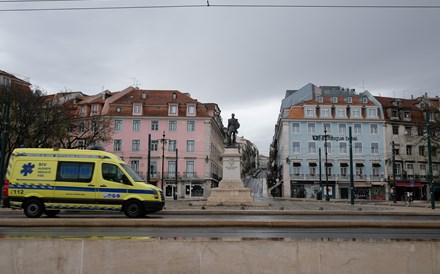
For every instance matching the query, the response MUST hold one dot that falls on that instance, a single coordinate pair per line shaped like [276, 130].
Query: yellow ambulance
[46, 181]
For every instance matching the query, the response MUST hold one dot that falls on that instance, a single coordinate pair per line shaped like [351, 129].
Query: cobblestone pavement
[303, 205]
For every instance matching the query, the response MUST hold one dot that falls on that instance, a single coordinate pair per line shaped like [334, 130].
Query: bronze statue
[233, 125]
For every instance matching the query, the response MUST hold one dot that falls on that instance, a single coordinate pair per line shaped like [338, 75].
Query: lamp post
[327, 197]
[163, 140]
[428, 137]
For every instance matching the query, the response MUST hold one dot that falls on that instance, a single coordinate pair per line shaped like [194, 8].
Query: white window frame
[343, 148]
[296, 128]
[190, 145]
[325, 112]
[342, 128]
[311, 148]
[118, 125]
[374, 129]
[173, 110]
[117, 145]
[341, 112]
[355, 113]
[372, 112]
[310, 112]
[296, 147]
[358, 148]
[136, 125]
[137, 109]
[311, 128]
[191, 110]
[191, 125]
[357, 129]
[154, 125]
[136, 145]
[172, 125]
[375, 148]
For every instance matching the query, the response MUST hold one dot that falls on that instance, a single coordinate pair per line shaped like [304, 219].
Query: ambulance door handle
[90, 185]
[103, 186]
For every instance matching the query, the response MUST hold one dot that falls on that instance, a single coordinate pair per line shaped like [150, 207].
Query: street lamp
[327, 197]
[163, 140]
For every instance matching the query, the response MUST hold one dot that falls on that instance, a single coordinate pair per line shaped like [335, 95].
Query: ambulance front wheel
[134, 209]
[33, 208]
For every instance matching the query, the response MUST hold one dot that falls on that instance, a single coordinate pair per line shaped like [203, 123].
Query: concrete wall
[218, 256]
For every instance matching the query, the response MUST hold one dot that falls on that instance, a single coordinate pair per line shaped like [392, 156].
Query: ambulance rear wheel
[33, 208]
[134, 209]
[51, 213]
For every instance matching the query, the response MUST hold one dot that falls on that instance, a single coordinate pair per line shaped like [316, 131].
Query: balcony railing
[190, 174]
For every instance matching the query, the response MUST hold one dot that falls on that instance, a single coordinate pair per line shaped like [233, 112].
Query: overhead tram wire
[204, 5]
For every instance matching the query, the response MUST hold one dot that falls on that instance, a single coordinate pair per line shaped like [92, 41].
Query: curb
[216, 223]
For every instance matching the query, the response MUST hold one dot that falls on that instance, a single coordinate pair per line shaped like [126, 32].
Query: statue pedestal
[231, 190]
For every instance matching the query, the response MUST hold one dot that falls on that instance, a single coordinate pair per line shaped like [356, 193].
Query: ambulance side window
[75, 171]
[111, 172]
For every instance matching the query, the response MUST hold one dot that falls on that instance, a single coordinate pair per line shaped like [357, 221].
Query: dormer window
[137, 109]
[82, 110]
[5, 81]
[118, 109]
[320, 99]
[334, 100]
[341, 112]
[310, 112]
[349, 100]
[172, 110]
[174, 96]
[407, 114]
[144, 95]
[364, 100]
[191, 110]
[372, 113]
[325, 112]
[94, 109]
[394, 113]
[355, 113]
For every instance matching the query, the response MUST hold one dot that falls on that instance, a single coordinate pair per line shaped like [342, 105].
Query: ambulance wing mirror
[125, 180]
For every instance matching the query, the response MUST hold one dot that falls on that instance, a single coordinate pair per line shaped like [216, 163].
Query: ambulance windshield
[132, 173]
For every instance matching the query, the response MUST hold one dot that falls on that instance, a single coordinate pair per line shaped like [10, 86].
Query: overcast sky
[242, 58]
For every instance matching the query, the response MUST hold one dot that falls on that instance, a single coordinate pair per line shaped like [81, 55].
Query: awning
[359, 164]
[409, 184]
[344, 164]
[296, 164]
[378, 183]
[312, 164]
[328, 164]
[376, 165]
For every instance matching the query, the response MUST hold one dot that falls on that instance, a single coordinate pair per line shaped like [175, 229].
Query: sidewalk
[305, 206]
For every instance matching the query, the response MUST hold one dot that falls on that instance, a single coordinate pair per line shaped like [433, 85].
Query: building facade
[405, 135]
[186, 137]
[312, 145]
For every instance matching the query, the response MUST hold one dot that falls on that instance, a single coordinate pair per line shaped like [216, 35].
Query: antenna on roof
[135, 82]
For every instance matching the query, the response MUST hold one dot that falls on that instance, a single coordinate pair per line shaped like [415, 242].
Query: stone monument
[231, 190]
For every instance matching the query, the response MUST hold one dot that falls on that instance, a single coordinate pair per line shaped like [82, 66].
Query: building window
[341, 113]
[81, 127]
[422, 170]
[396, 151]
[376, 170]
[329, 147]
[334, 100]
[327, 126]
[137, 109]
[395, 130]
[135, 145]
[191, 126]
[349, 100]
[118, 125]
[410, 169]
[320, 99]
[406, 114]
[343, 148]
[342, 128]
[191, 110]
[359, 168]
[295, 128]
[172, 145]
[310, 112]
[325, 112]
[422, 150]
[296, 148]
[357, 129]
[118, 109]
[312, 147]
[398, 168]
[311, 128]
[154, 145]
[117, 145]
[296, 169]
[372, 113]
[190, 169]
[374, 148]
[172, 126]
[373, 129]
[407, 130]
[171, 169]
[364, 100]
[344, 171]
[420, 131]
[94, 109]
[154, 125]
[172, 110]
[408, 150]
[135, 165]
[355, 113]
[394, 114]
[190, 146]
[82, 110]
[357, 148]
[81, 144]
[136, 125]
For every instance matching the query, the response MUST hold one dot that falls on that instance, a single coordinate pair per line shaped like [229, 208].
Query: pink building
[186, 136]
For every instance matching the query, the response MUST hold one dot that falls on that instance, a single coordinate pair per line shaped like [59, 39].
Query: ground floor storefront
[189, 189]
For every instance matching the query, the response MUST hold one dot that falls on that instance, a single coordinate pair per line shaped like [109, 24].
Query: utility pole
[351, 167]
[176, 178]
[394, 173]
[428, 137]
